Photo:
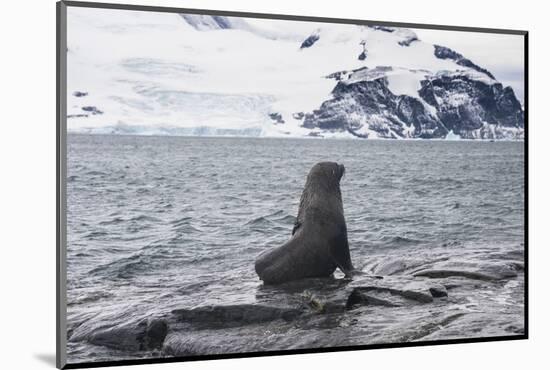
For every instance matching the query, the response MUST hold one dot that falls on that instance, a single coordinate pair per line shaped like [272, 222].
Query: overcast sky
[501, 54]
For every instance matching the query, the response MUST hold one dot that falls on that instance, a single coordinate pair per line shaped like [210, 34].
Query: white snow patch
[452, 136]
[157, 73]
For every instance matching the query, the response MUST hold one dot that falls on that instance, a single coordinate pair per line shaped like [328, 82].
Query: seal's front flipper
[297, 225]
[339, 251]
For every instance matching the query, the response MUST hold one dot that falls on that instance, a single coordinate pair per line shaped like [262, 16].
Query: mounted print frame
[236, 184]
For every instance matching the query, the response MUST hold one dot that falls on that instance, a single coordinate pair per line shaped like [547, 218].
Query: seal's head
[326, 173]
[323, 182]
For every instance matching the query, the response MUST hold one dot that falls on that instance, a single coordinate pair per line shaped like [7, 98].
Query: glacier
[147, 73]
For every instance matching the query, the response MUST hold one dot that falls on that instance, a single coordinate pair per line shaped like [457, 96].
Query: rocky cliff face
[470, 104]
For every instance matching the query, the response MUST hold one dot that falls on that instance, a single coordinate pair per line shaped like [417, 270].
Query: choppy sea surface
[157, 224]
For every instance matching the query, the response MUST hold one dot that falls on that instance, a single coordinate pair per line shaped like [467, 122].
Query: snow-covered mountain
[155, 73]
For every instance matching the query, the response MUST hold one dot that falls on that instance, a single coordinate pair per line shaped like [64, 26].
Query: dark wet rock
[92, 110]
[198, 343]
[443, 52]
[291, 315]
[233, 315]
[439, 291]
[514, 329]
[80, 94]
[317, 295]
[449, 286]
[144, 335]
[357, 297]
[513, 255]
[477, 323]
[471, 269]
[253, 338]
[303, 306]
[418, 294]
[425, 329]
[335, 302]
[483, 272]
[419, 290]
[403, 265]
[314, 134]
[156, 332]
[362, 56]
[397, 266]
[277, 117]
[333, 311]
[330, 295]
[518, 266]
[312, 39]
[327, 284]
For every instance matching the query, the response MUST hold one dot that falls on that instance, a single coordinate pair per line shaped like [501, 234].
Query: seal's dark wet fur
[319, 242]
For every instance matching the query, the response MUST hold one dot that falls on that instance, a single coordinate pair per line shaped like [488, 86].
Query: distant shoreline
[77, 133]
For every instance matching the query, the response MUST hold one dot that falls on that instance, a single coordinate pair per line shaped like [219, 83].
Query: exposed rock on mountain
[443, 52]
[213, 22]
[312, 39]
[466, 103]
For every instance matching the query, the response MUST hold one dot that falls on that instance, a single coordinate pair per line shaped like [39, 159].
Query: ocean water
[162, 223]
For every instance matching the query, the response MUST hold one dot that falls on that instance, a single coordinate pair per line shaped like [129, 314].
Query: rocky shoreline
[437, 296]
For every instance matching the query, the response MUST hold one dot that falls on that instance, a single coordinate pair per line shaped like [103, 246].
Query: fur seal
[319, 241]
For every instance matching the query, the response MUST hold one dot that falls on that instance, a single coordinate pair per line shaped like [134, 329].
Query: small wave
[400, 241]
[96, 173]
[114, 221]
[187, 229]
[287, 220]
[490, 220]
[95, 234]
[181, 221]
[89, 298]
[82, 254]
[145, 218]
[439, 181]
[391, 219]
[206, 257]
[487, 205]
[129, 267]
[449, 180]
[194, 287]
[258, 221]
[72, 178]
[451, 243]
[276, 213]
